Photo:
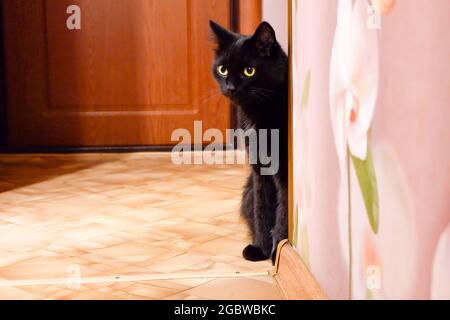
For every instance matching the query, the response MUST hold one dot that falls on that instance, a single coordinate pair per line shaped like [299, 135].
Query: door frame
[243, 15]
[3, 115]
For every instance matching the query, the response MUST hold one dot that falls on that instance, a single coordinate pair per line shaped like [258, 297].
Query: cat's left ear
[264, 39]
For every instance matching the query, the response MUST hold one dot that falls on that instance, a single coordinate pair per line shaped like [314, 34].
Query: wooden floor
[124, 226]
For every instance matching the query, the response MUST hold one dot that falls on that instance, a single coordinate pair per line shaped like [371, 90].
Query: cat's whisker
[207, 99]
[269, 91]
[260, 96]
[210, 92]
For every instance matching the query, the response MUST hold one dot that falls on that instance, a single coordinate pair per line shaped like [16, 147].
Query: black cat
[252, 72]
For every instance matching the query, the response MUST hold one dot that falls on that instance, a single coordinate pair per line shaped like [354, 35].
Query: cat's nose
[231, 89]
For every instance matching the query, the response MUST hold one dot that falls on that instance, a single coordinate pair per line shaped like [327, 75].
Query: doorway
[128, 74]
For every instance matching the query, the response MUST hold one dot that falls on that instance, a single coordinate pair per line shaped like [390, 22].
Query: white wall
[276, 13]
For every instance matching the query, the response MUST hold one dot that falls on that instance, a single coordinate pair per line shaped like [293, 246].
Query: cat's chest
[248, 124]
[257, 120]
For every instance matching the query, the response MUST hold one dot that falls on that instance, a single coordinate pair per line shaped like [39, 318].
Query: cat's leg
[280, 230]
[250, 252]
[247, 205]
[263, 219]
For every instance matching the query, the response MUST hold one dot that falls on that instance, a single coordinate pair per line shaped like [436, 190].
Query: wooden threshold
[293, 277]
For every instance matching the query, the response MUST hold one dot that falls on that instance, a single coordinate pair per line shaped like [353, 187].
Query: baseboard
[293, 277]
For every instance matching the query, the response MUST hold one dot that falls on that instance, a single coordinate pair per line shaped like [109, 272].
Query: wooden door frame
[3, 115]
[244, 14]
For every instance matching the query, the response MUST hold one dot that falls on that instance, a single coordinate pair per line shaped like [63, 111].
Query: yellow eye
[222, 70]
[249, 71]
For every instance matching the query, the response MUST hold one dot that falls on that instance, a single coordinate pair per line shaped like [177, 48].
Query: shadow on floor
[18, 171]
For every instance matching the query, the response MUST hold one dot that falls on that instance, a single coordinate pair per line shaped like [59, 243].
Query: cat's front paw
[253, 253]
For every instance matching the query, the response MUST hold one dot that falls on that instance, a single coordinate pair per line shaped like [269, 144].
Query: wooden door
[133, 73]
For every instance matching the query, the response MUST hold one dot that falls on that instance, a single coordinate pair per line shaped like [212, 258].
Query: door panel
[135, 55]
[136, 71]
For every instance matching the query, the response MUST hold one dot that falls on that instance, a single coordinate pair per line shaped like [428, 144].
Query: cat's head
[248, 68]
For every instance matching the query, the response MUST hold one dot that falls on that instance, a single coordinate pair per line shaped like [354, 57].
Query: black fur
[262, 102]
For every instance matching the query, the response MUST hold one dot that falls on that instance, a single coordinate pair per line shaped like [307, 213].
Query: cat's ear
[222, 36]
[264, 39]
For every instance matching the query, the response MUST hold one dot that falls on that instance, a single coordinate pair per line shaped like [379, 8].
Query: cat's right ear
[222, 36]
[265, 39]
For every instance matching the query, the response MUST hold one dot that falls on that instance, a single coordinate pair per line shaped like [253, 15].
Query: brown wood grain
[293, 277]
[128, 53]
[250, 15]
[136, 71]
[291, 208]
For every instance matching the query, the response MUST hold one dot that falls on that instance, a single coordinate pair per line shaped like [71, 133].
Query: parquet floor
[124, 226]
